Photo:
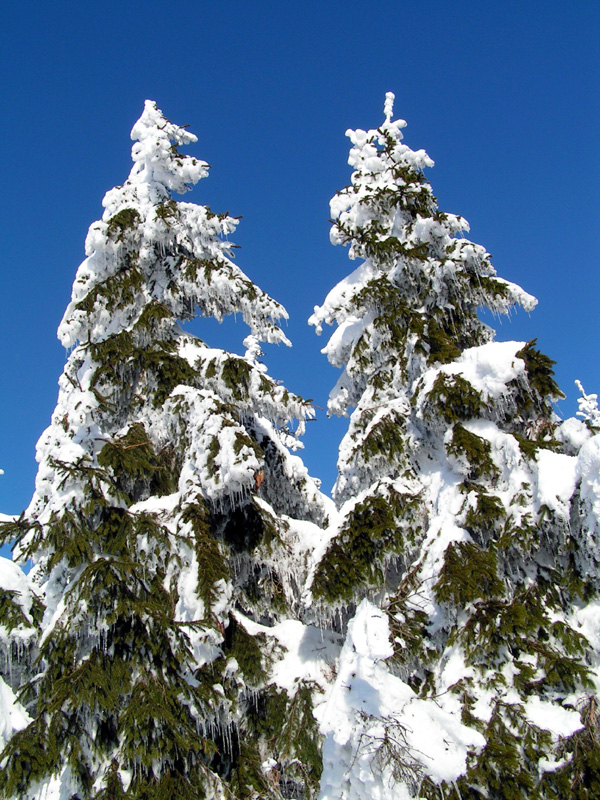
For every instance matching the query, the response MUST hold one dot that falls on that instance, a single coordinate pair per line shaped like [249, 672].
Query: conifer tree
[469, 515]
[162, 523]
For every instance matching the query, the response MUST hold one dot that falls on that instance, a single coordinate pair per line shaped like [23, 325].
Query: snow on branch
[588, 407]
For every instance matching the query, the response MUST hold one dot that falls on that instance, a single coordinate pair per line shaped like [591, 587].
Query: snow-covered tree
[467, 555]
[163, 527]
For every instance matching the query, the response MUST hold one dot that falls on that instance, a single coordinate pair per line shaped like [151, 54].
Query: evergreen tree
[162, 528]
[468, 513]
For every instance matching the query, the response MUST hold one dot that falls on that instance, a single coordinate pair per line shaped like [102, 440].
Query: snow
[345, 337]
[488, 368]
[588, 466]
[340, 294]
[309, 652]
[552, 717]
[588, 406]
[557, 479]
[588, 470]
[388, 108]
[367, 707]
[587, 620]
[13, 716]
[152, 154]
[13, 579]
[573, 433]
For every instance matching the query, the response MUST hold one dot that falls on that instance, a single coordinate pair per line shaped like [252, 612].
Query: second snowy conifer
[466, 514]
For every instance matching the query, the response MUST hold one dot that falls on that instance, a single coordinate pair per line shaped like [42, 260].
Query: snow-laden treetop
[153, 154]
[420, 281]
[375, 157]
[181, 250]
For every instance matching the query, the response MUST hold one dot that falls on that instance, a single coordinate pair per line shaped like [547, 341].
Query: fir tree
[162, 524]
[468, 514]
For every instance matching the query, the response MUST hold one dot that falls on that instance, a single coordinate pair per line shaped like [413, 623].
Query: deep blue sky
[503, 96]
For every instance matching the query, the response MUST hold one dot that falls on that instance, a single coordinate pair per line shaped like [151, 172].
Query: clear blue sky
[503, 96]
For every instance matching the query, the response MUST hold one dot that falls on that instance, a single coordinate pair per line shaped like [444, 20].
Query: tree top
[155, 154]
